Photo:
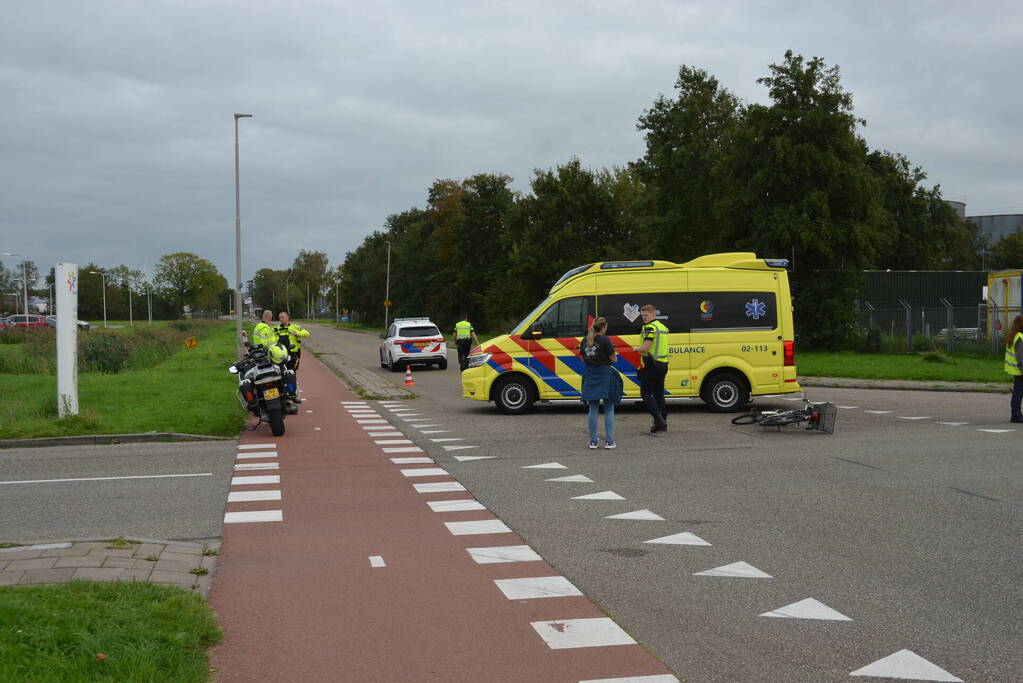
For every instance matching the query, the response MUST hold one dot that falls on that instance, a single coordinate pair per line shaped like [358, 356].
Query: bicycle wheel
[747, 419]
[782, 419]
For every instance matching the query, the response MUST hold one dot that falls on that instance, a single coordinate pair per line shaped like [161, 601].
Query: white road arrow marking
[739, 570]
[906, 665]
[807, 609]
[684, 538]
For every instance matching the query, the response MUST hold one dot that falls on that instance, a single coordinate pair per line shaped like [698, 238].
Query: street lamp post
[24, 277]
[237, 241]
[103, 276]
[387, 288]
[131, 317]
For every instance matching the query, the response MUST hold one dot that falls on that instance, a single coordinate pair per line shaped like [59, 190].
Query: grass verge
[84, 631]
[190, 392]
[931, 366]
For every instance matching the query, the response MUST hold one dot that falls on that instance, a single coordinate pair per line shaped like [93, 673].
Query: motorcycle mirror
[233, 370]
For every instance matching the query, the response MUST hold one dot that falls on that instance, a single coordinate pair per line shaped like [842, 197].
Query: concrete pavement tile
[203, 584]
[79, 561]
[169, 566]
[117, 552]
[98, 573]
[144, 549]
[37, 563]
[91, 545]
[136, 575]
[184, 547]
[143, 563]
[10, 578]
[122, 562]
[47, 575]
[74, 550]
[3, 563]
[15, 554]
[192, 558]
[172, 577]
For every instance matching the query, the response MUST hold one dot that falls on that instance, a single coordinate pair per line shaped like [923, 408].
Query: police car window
[567, 318]
[420, 331]
[392, 331]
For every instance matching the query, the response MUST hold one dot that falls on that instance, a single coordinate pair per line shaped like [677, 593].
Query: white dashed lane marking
[412, 461]
[254, 516]
[572, 633]
[482, 526]
[425, 472]
[255, 466]
[402, 449]
[879, 412]
[254, 446]
[257, 454]
[376, 561]
[438, 487]
[244, 481]
[455, 505]
[387, 442]
[246, 496]
[504, 553]
[537, 587]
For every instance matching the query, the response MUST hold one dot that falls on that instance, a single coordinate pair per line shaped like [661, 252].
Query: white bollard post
[66, 281]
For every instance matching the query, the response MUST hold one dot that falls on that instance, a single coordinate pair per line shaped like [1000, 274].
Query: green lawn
[81, 631]
[912, 366]
[190, 392]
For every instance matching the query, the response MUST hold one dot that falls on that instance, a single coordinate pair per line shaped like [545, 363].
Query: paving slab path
[338, 564]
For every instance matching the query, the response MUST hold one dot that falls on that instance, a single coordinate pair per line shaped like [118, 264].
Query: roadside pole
[66, 281]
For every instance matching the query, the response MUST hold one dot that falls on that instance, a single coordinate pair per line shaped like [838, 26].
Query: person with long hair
[1014, 366]
[601, 382]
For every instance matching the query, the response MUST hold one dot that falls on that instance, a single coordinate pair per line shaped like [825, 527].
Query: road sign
[191, 343]
[387, 303]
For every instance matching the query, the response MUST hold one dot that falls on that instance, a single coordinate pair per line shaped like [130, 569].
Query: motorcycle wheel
[276, 420]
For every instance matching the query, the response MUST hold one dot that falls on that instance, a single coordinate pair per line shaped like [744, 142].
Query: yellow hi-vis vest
[463, 329]
[659, 349]
[263, 334]
[1011, 366]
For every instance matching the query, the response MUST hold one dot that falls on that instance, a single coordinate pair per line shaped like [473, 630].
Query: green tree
[187, 280]
[309, 271]
[1007, 252]
[268, 288]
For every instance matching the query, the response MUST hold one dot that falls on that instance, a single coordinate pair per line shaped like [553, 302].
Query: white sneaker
[610, 445]
[593, 445]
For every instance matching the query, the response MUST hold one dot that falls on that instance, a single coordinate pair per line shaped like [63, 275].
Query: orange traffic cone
[408, 376]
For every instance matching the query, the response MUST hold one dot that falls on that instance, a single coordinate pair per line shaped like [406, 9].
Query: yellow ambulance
[729, 318]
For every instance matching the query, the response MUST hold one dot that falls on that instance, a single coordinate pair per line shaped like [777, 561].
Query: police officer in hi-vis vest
[289, 335]
[1014, 366]
[262, 333]
[465, 337]
[655, 367]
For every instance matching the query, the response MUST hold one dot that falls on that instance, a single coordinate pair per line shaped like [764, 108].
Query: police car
[412, 341]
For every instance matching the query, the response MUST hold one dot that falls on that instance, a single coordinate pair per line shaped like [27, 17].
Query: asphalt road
[166, 491]
[908, 527]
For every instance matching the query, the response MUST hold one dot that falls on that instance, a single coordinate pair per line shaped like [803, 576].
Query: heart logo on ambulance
[631, 312]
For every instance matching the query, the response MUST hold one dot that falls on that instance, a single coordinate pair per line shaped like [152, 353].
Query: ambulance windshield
[521, 327]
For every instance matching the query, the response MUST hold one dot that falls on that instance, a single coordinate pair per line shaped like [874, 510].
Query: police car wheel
[443, 364]
[725, 392]
[515, 396]
[393, 365]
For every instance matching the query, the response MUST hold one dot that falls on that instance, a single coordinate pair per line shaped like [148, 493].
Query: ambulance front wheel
[515, 396]
[725, 392]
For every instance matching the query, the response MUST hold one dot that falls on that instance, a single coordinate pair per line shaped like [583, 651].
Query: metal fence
[979, 328]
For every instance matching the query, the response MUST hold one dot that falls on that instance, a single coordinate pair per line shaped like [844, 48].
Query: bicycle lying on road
[819, 417]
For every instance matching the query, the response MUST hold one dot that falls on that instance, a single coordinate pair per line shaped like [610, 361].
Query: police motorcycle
[266, 388]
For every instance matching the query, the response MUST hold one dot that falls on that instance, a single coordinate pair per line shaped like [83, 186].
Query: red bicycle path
[298, 599]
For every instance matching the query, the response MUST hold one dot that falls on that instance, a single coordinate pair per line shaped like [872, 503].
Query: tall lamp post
[102, 275]
[387, 287]
[237, 241]
[24, 277]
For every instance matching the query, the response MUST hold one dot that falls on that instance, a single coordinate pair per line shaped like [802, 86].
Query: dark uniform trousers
[651, 388]
[463, 346]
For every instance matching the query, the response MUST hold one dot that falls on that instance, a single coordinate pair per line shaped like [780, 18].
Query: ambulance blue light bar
[777, 262]
[574, 271]
[626, 264]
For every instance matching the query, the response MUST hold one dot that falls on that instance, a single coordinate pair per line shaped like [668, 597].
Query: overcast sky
[117, 137]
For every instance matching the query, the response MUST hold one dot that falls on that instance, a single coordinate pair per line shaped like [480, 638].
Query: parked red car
[22, 320]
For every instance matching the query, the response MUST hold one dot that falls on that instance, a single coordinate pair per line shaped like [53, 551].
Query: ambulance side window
[566, 318]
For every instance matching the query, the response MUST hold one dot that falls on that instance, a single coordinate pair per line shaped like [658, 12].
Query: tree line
[793, 179]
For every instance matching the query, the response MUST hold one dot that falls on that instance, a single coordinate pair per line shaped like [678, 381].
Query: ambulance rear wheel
[725, 392]
[515, 396]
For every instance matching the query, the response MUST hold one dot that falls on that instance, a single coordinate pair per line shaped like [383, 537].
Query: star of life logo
[756, 309]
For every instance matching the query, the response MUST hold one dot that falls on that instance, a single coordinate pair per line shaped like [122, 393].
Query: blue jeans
[1014, 402]
[609, 419]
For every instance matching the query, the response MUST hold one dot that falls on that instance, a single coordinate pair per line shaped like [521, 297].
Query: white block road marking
[807, 609]
[414, 419]
[603, 495]
[411, 461]
[406, 413]
[257, 454]
[455, 505]
[996, 431]
[374, 428]
[465, 458]
[375, 435]
[372, 422]
[582, 478]
[907, 665]
[244, 481]
[847, 407]
[482, 526]
[904, 417]
[644, 515]
[656, 678]
[316, 429]
[684, 538]
[458, 448]
[537, 587]
[309, 411]
[424, 426]
[425, 472]
[571, 633]
[354, 403]
[383, 442]
[504, 553]
[740, 570]
[254, 516]
[256, 466]
[38, 546]
[438, 487]
[402, 449]
[253, 446]
[376, 561]
[954, 424]
[879, 412]
[545, 466]
[242, 496]
[141, 476]
[450, 438]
